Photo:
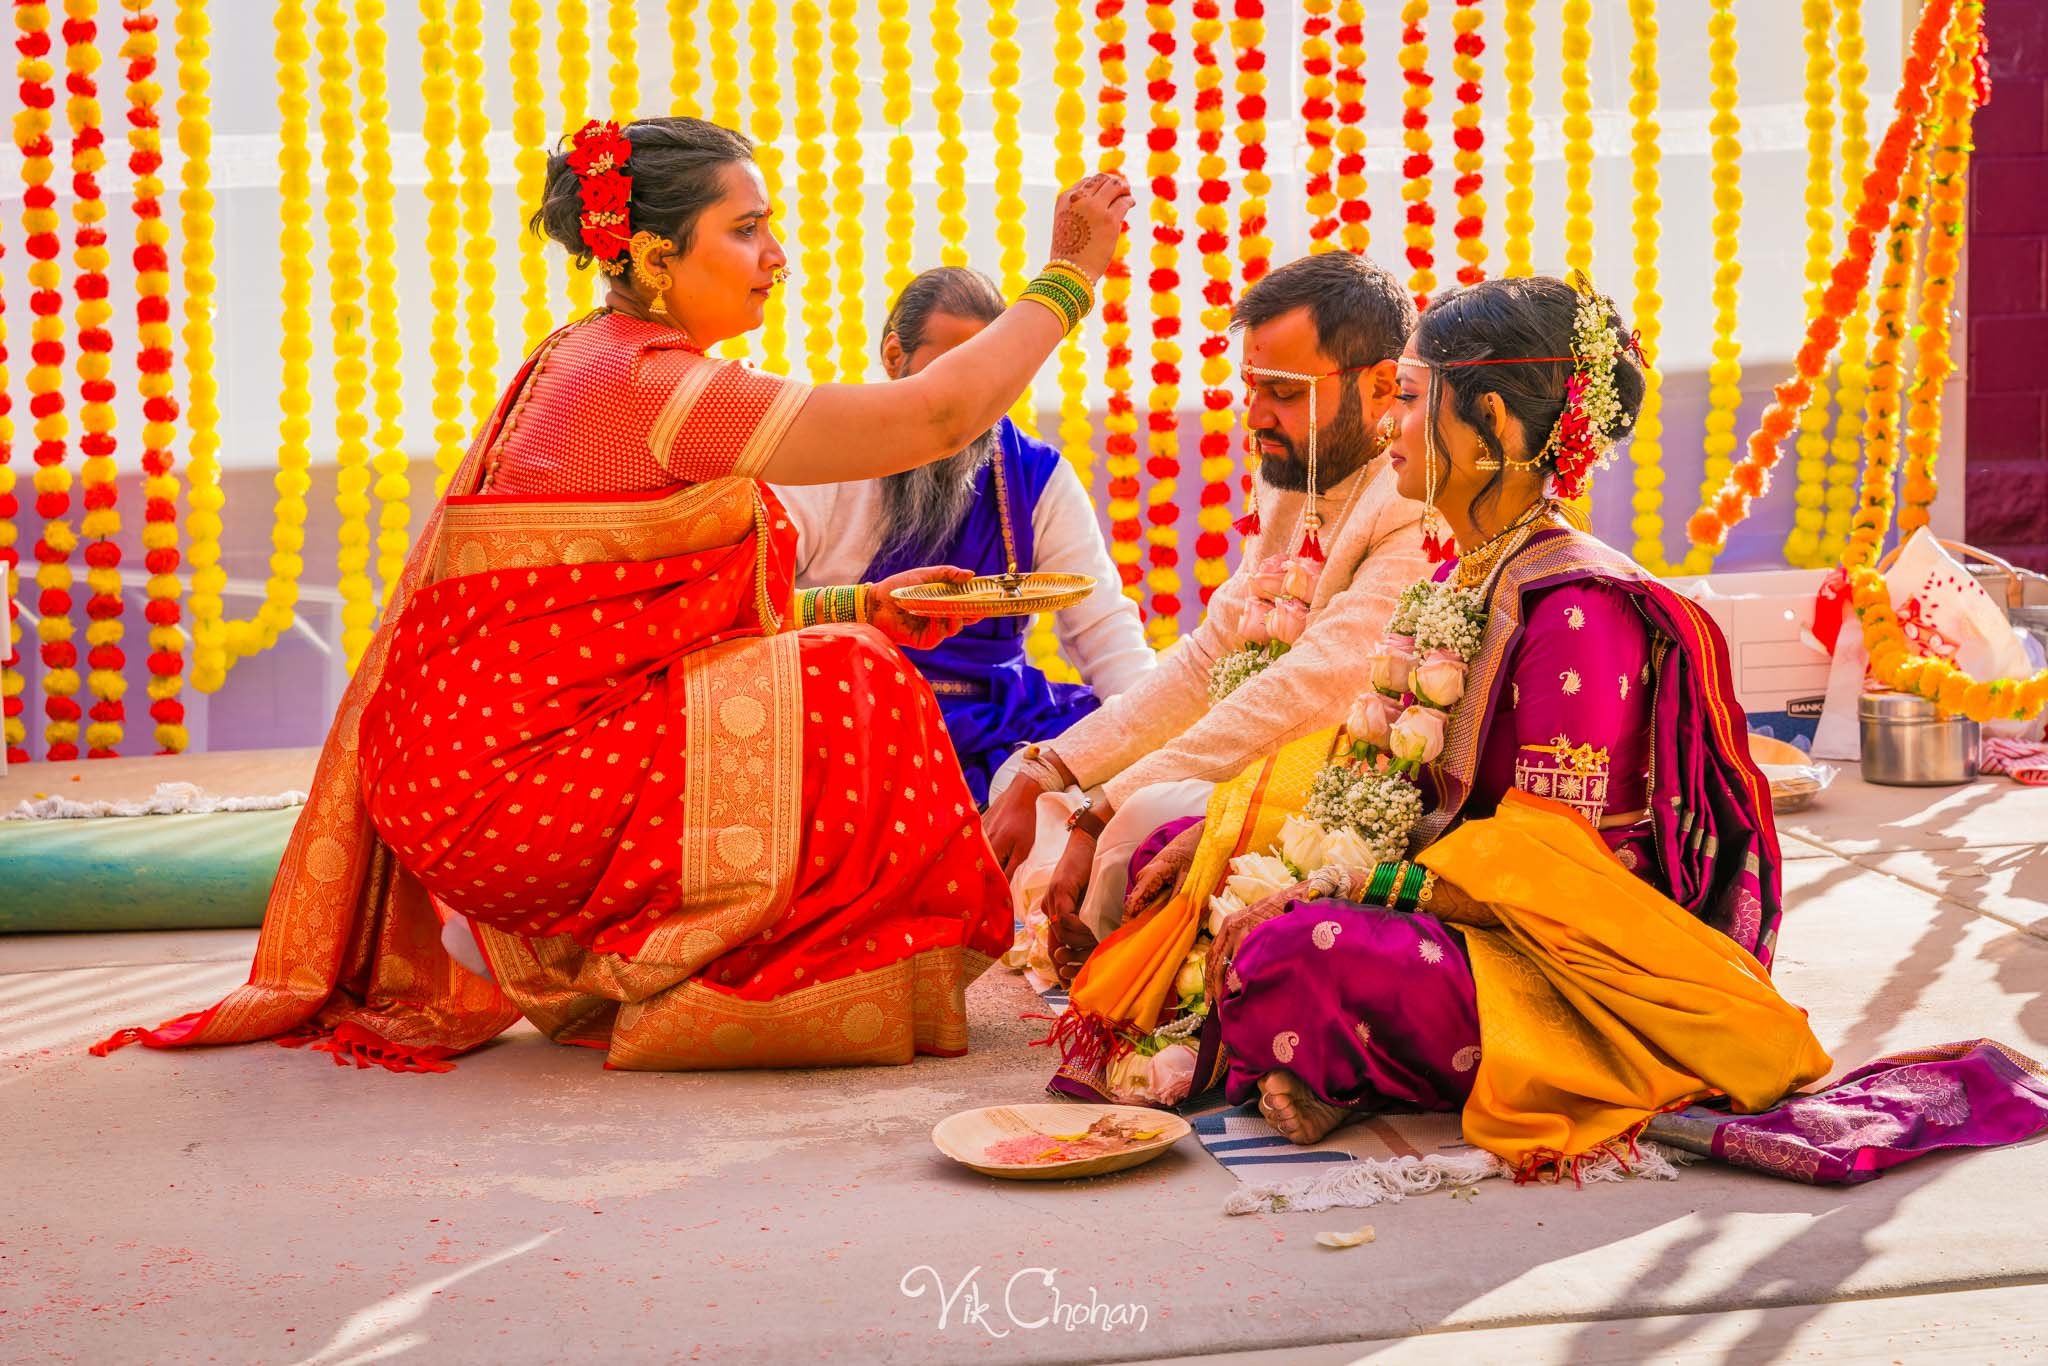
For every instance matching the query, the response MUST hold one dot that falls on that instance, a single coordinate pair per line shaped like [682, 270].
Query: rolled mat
[194, 871]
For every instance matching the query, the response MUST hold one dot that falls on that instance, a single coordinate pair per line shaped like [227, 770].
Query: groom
[1321, 337]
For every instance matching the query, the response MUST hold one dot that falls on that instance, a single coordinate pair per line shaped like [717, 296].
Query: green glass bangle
[1040, 289]
[1079, 296]
[1382, 878]
[1409, 895]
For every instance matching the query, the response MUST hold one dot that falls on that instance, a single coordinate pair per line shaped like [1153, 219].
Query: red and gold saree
[685, 832]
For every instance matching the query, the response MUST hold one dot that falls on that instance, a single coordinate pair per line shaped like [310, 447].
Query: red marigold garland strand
[102, 520]
[1751, 477]
[1121, 418]
[1354, 229]
[12, 732]
[1469, 160]
[1254, 248]
[153, 362]
[1212, 541]
[1163, 418]
[1420, 231]
[1316, 111]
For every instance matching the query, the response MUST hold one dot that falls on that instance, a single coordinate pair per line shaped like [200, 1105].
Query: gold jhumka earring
[643, 245]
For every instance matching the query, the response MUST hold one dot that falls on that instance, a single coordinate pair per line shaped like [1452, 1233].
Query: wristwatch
[1085, 820]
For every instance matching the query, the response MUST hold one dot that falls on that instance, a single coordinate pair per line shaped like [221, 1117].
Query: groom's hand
[1071, 940]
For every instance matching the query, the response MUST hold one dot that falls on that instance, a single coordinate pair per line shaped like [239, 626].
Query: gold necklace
[1473, 567]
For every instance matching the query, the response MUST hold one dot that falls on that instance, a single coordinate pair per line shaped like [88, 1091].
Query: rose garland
[102, 519]
[202, 414]
[1275, 615]
[351, 344]
[1900, 152]
[1316, 110]
[847, 200]
[814, 232]
[444, 222]
[572, 58]
[1011, 234]
[1852, 378]
[1420, 231]
[1069, 113]
[1120, 419]
[1646, 446]
[1468, 160]
[393, 486]
[684, 74]
[1518, 66]
[1254, 248]
[166, 661]
[1212, 216]
[1724, 373]
[479, 247]
[1948, 162]
[529, 164]
[621, 44]
[765, 124]
[946, 98]
[1578, 136]
[1803, 546]
[1162, 440]
[13, 733]
[1354, 212]
[52, 480]
[900, 239]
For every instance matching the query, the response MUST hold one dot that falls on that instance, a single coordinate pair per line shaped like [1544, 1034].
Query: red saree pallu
[683, 832]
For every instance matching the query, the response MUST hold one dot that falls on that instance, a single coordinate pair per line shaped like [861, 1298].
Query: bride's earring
[657, 285]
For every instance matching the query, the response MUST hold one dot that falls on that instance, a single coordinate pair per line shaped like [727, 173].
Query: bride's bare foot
[1298, 1113]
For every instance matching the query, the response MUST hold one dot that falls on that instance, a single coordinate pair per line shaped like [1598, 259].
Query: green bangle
[1050, 294]
[1058, 310]
[1075, 292]
[1409, 894]
[1382, 878]
[806, 608]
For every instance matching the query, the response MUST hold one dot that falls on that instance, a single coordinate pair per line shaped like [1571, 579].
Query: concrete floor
[258, 1204]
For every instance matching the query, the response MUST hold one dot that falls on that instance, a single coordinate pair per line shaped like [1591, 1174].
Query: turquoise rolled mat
[195, 871]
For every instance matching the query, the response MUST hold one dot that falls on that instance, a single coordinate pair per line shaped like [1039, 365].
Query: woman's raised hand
[1088, 219]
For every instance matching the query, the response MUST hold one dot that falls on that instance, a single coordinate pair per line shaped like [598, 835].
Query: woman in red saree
[683, 823]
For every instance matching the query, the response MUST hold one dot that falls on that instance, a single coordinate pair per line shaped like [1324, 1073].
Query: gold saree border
[788, 401]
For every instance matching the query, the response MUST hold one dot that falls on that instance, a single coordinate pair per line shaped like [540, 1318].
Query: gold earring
[643, 245]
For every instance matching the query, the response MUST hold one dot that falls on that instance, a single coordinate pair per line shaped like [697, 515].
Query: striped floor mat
[1239, 1137]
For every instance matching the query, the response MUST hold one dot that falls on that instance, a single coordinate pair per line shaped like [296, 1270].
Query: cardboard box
[1781, 675]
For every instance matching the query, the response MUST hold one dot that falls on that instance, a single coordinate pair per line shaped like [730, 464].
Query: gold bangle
[1069, 285]
[1067, 323]
[1394, 889]
[861, 610]
[1428, 890]
[1064, 264]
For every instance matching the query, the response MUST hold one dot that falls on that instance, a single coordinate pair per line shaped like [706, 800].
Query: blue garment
[992, 697]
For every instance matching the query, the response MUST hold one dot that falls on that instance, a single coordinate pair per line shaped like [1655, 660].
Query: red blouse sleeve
[716, 417]
[1581, 700]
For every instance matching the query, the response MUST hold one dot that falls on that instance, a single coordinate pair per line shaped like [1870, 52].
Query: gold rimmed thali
[996, 595]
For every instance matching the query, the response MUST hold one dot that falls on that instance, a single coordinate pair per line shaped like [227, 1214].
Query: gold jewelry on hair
[643, 245]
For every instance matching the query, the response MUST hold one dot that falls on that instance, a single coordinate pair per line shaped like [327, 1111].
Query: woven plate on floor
[968, 1136]
[990, 596]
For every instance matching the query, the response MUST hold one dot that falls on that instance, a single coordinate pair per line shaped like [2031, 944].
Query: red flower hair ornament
[598, 154]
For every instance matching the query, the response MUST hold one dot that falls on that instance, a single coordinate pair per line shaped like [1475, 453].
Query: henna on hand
[1071, 235]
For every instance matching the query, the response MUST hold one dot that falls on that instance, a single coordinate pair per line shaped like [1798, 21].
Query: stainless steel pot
[1907, 743]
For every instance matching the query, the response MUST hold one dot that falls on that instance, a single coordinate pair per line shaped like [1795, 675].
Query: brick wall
[2007, 406]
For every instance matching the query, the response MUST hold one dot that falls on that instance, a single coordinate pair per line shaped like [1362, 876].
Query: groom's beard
[922, 508]
[1342, 446]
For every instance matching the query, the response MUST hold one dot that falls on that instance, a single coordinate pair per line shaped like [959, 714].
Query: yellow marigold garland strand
[1317, 109]
[444, 225]
[1162, 440]
[813, 230]
[1468, 160]
[350, 340]
[479, 245]
[946, 98]
[572, 58]
[13, 733]
[684, 77]
[530, 166]
[1070, 113]
[765, 92]
[1518, 68]
[102, 520]
[1419, 232]
[1646, 447]
[203, 496]
[621, 44]
[1803, 543]
[848, 201]
[1212, 216]
[1120, 418]
[722, 21]
[52, 480]
[901, 204]
[1724, 371]
[1845, 462]
[153, 361]
[1578, 136]
[389, 462]
[1354, 211]
[1011, 233]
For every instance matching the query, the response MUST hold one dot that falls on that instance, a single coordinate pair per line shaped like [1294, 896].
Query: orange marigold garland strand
[1751, 477]
[1354, 212]
[1420, 230]
[1212, 541]
[1163, 417]
[152, 261]
[102, 520]
[1120, 420]
[1469, 160]
[1316, 112]
[1254, 248]
[39, 221]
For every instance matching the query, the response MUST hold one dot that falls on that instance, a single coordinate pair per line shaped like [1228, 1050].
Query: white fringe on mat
[169, 799]
[1362, 1184]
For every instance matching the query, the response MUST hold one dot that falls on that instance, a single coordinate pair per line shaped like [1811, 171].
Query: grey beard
[925, 506]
